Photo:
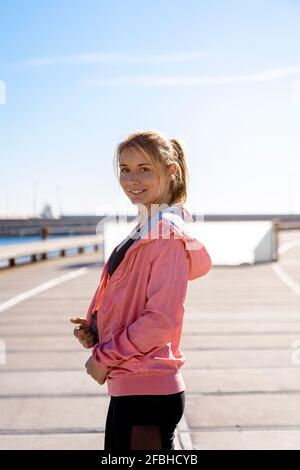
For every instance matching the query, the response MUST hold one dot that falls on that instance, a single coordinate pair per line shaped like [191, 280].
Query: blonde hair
[161, 153]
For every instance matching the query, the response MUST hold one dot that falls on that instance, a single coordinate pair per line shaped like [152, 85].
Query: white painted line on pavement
[277, 268]
[288, 246]
[37, 290]
[286, 279]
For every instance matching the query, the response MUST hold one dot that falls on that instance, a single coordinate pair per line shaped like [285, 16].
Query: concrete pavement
[243, 390]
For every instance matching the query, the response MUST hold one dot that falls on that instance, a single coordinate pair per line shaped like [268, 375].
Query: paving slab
[50, 413]
[212, 381]
[74, 441]
[188, 342]
[49, 383]
[46, 360]
[239, 359]
[244, 410]
[247, 440]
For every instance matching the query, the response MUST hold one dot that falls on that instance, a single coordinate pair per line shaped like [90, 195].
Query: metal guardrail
[42, 248]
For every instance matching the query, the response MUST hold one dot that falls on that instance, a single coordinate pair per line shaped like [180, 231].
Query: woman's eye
[146, 169]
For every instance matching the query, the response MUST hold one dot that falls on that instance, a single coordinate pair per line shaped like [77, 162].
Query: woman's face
[136, 173]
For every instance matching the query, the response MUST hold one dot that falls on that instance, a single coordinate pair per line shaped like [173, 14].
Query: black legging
[141, 422]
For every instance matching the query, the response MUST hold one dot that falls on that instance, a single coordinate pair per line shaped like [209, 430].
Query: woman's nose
[134, 179]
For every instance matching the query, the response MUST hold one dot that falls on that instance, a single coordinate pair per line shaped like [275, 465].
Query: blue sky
[80, 75]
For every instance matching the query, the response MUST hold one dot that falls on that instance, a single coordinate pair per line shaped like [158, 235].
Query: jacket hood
[172, 222]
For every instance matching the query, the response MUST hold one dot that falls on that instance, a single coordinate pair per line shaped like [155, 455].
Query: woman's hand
[97, 373]
[83, 333]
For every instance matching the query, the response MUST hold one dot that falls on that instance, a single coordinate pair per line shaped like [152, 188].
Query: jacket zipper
[130, 249]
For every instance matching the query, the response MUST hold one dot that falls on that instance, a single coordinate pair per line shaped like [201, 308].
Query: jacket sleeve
[166, 291]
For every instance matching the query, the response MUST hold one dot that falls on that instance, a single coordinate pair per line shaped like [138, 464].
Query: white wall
[228, 243]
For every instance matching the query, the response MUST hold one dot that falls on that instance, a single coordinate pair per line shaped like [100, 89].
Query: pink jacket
[140, 308]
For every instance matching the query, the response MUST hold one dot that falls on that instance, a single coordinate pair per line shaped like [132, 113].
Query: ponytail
[180, 182]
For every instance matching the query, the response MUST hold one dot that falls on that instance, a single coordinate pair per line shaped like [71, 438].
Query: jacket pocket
[162, 360]
[134, 365]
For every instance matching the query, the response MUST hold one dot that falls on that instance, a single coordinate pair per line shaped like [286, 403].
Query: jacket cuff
[97, 362]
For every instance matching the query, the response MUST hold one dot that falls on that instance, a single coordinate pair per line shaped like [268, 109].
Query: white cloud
[160, 80]
[94, 58]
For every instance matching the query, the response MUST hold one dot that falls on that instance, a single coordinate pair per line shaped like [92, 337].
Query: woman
[135, 319]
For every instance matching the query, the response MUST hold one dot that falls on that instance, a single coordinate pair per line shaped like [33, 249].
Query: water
[6, 241]
[27, 239]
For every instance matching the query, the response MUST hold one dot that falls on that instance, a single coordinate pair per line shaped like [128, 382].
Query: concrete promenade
[243, 390]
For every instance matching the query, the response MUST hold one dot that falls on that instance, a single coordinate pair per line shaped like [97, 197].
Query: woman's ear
[172, 171]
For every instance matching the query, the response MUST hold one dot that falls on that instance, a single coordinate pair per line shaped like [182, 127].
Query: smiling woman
[139, 309]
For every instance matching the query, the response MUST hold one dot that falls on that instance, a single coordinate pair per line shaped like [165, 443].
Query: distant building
[47, 213]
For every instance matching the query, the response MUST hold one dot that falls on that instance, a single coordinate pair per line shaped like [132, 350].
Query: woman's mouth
[137, 192]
